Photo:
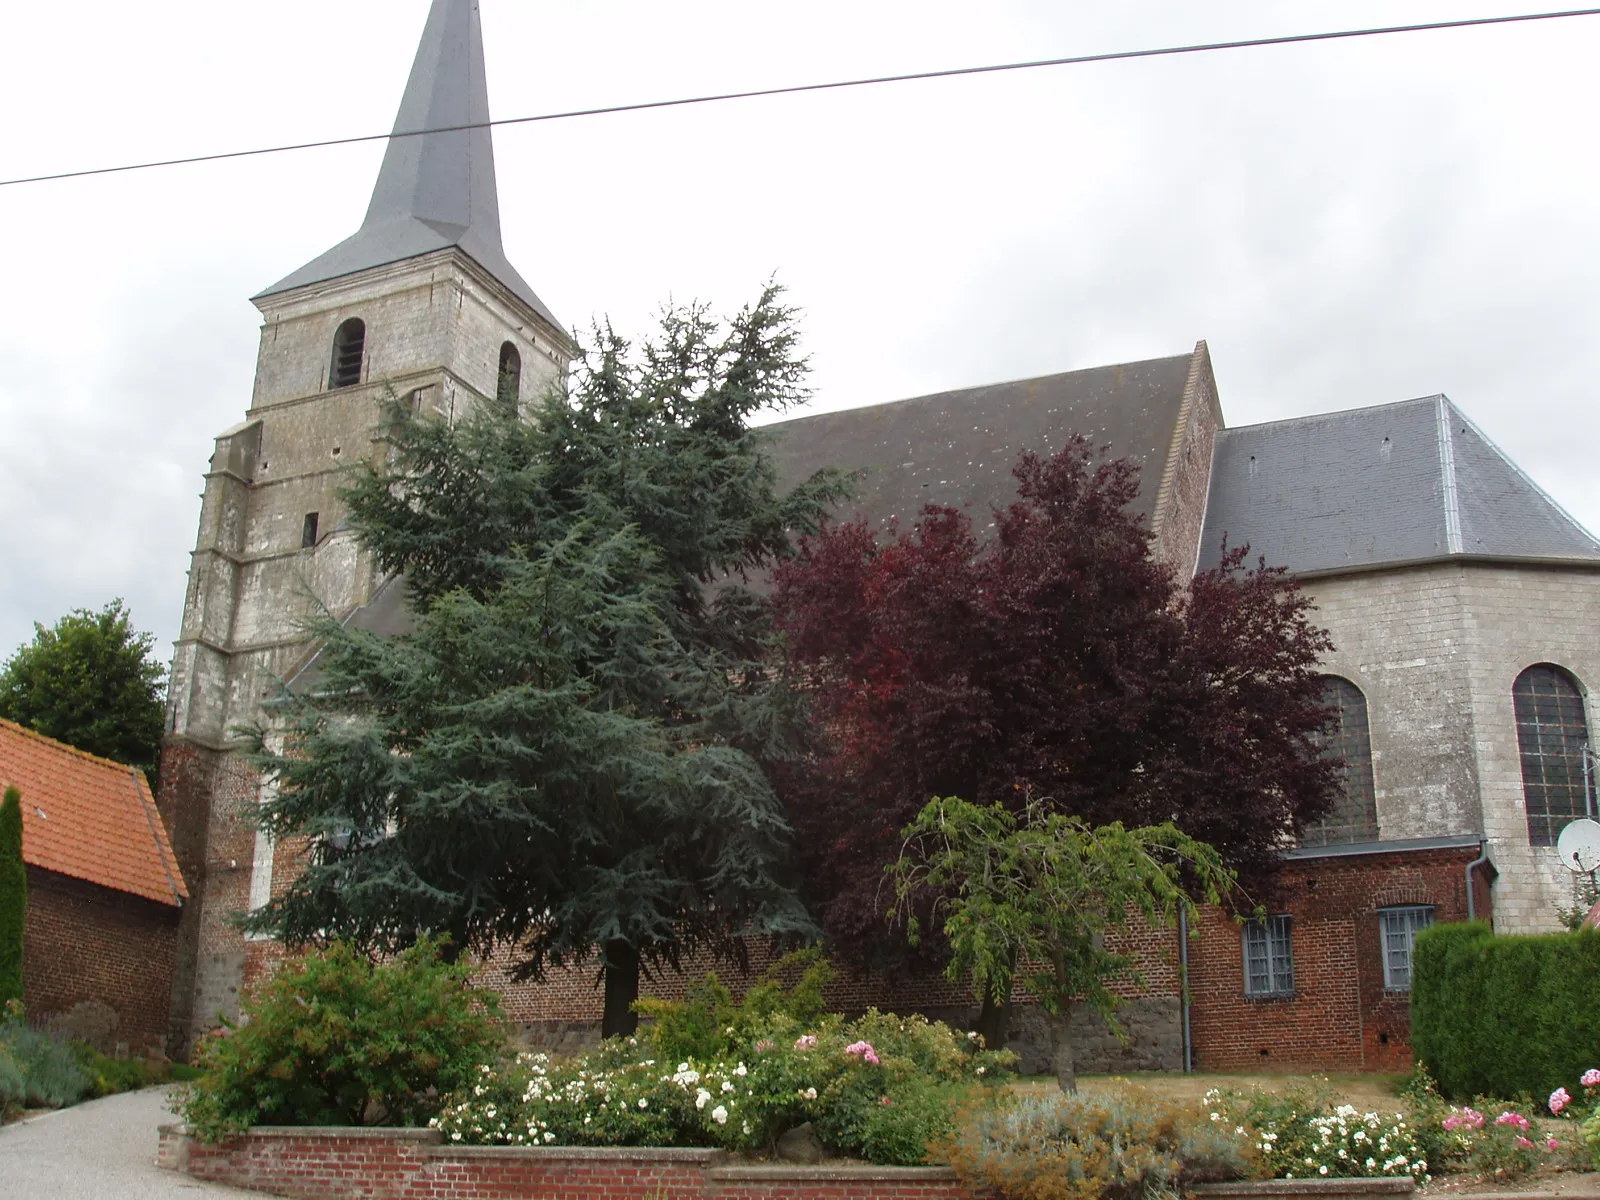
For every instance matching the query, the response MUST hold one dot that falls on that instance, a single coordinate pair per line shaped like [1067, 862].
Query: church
[1463, 604]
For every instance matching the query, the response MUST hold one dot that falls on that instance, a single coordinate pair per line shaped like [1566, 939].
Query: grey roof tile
[1373, 486]
[437, 190]
[958, 448]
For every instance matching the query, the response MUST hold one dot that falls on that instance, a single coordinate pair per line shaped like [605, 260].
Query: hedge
[1505, 1016]
[13, 896]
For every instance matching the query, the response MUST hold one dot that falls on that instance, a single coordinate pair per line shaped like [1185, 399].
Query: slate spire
[435, 190]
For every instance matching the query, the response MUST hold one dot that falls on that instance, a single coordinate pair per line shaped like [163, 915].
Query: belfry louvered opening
[349, 351]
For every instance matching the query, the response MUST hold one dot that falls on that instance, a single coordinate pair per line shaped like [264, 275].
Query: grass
[1366, 1092]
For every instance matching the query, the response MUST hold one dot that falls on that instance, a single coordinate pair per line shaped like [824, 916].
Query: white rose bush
[879, 1088]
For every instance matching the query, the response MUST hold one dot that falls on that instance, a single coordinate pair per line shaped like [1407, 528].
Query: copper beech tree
[1058, 659]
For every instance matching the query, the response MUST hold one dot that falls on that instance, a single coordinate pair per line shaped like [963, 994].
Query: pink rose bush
[865, 1050]
[1591, 1078]
[1559, 1099]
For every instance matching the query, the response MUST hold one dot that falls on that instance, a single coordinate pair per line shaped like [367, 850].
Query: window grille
[1269, 957]
[1354, 814]
[1400, 927]
[349, 349]
[1552, 734]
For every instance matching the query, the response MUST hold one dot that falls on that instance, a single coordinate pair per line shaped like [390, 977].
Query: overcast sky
[1346, 223]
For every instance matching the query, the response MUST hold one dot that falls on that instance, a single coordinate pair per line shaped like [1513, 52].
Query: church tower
[420, 303]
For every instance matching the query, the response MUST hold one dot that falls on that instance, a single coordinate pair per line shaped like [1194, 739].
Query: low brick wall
[415, 1164]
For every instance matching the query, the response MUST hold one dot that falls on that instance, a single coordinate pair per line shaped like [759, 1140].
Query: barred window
[1400, 927]
[1552, 734]
[1269, 957]
[349, 349]
[1354, 814]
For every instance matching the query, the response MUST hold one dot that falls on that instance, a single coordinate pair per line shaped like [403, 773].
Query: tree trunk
[1066, 1071]
[994, 1023]
[622, 989]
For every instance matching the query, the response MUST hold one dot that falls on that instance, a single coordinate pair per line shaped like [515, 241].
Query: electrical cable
[797, 89]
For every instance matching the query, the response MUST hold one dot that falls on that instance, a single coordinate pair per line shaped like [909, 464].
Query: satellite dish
[1579, 846]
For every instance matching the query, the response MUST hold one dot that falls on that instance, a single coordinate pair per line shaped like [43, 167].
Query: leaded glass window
[1354, 815]
[1269, 956]
[1400, 927]
[1552, 734]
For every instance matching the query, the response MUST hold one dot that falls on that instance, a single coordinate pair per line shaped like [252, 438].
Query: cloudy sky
[1346, 223]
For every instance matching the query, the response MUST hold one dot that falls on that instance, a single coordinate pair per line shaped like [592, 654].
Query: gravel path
[106, 1148]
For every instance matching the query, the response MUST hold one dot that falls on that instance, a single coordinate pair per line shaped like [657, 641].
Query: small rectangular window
[1400, 927]
[308, 532]
[1269, 956]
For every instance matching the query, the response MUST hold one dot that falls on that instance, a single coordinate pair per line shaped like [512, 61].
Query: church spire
[435, 190]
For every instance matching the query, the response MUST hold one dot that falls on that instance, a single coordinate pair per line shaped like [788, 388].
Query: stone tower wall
[435, 326]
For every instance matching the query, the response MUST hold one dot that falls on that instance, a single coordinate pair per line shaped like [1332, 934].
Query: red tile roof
[88, 817]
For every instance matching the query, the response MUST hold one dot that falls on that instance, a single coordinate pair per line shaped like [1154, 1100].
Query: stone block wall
[98, 963]
[1436, 649]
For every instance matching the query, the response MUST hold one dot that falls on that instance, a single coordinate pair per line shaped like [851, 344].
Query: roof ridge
[977, 387]
[1341, 412]
[58, 743]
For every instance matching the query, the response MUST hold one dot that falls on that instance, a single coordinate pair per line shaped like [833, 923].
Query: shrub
[1301, 1134]
[13, 897]
[707, 1024]
[882, 1088]
[40, 1071]
[1123, 1144]
[108, 1076]
[1505, 1015]
[334, 1039]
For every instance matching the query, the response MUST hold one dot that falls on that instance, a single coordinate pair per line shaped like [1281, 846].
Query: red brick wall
[311, 1164]
[1340, 1017]
[87, 943]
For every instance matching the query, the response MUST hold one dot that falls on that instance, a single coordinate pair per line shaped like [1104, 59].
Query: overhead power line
[836, 85]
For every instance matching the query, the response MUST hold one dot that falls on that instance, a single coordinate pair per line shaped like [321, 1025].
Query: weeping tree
[567, 755]
[13, 897]
[1030, 898]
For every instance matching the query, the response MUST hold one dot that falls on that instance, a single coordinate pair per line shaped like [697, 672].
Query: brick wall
[1340, 1016]
[98, 963]
[355, 1164]
[1185, 484]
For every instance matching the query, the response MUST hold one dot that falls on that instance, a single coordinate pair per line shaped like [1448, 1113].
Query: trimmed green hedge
[13, 897]
[1505, 1016]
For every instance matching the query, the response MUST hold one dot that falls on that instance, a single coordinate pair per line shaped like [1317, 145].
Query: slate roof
[88, 817]
[1379, 486]
[438, 190]
[958, 448]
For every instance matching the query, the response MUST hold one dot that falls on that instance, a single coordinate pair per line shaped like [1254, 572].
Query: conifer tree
[13, 897]
[568, 754]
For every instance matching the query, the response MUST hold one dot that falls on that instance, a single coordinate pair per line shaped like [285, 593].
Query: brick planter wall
[415, 1164]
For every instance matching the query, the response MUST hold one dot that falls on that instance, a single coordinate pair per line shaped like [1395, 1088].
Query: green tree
[567, 756]
[13, 897]
[90, 682]
[1031, 897]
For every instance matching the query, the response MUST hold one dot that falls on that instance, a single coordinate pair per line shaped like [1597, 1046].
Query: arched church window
[1354, 815]
[509, 387]
[349, 349]
[1552, 735]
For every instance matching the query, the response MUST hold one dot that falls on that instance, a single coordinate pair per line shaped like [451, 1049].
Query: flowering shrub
[1506, 1147]
[1128, 1143]
[335, 1039]
[1300, 1135]
[881, 1087]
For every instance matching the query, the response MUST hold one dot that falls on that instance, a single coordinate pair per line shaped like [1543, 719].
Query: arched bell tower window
[509, 387]
[1347, 739]
[1552, 735]
[349, 348]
